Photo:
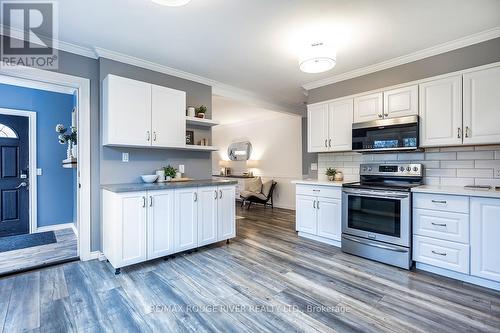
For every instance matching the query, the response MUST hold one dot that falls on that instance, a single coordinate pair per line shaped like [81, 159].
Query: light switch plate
[314, 166]
[125, 157]
[39, 172]
[181, 168]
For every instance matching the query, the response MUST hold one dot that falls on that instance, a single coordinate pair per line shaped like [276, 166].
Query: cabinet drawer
[447, 203]
[319, 191]
[443, 225]
[440, 253]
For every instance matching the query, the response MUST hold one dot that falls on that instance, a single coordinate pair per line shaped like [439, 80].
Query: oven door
[377, 215]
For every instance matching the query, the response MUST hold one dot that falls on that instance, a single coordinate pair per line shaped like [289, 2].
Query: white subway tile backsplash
[457, 166]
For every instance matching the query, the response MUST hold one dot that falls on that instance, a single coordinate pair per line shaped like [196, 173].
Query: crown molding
[218, 88]
[422, 54]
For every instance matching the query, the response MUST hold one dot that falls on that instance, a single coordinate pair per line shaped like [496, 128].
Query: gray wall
[146, 161]
[467, 57]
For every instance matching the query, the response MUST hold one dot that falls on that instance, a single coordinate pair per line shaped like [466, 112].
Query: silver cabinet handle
[380, 115]
[317, 204]
[220, 196]
[439, 253]
[459, 133]
[326, 143]
[439, 201]
[23, 184]
[143, 202]
[314, 204]
[215, 194]
[148, 135]
[386, 115]
[150, 201]
[195, 196]
[154, 136]
[330, 143]
[467, 131]
[316, 190]
[439, 224]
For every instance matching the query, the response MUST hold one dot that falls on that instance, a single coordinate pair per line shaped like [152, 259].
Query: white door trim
[43, 80]
[31, 115]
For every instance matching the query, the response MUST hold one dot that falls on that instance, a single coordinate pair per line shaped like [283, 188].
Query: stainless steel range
[376, 213]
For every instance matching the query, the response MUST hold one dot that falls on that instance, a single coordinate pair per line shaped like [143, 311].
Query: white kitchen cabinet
[124, 227]
[226, 214]
[306, 214]
[126, 112]
[207, 215]
[317, 128]
[401, 102]
[485, 238]
[440, 106]
[368, 107]
[168, 121]
[329, 217]
[318, 213]
[340, 115]
[160, 222]
[481, 106]
[186, 219]
[140, 114]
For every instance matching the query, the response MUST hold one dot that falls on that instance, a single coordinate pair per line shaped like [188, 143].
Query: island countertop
[137, 187]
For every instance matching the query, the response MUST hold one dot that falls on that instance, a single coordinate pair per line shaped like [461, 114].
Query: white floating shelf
[184, 147]
[200, 148]
[201, 122]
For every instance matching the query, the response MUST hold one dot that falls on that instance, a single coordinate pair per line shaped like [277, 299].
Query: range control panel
[398, 169]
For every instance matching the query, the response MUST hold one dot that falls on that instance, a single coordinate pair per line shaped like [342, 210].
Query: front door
[14, 162]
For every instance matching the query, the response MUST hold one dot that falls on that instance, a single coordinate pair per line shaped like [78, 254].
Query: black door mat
[11, 243]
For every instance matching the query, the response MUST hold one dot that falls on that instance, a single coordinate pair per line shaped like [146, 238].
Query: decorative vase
[191, 111]
[168, 178]
[331, 178]
[201, 115]
[339, 176]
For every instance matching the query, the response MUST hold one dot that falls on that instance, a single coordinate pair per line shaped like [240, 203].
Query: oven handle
[380, 246]
[377, 195]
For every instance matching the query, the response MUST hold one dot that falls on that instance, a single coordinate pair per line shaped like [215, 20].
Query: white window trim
[45, 80]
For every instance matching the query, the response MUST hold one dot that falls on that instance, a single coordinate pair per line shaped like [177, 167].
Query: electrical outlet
[125, 157]
[314, 166]
[181, 168]
[497, 172]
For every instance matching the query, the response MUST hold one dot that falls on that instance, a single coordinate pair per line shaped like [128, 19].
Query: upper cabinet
[368, 107]
[401, 102]
[141, 114]
[441, 112]
[330, 126]
[482, 107]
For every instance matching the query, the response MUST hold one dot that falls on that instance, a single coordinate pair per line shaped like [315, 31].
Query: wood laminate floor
[266, 280]
[19, 260]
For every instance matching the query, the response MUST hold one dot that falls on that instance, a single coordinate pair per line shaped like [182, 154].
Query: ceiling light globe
[317, 58]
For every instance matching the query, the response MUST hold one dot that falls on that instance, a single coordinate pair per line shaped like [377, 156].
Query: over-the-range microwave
[394, 134]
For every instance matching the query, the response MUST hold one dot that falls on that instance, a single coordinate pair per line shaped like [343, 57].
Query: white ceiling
[254, 44]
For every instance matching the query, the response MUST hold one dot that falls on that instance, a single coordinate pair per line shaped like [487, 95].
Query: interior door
[14, 161]
[168, 117]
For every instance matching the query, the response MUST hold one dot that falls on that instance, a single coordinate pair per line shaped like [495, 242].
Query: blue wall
[56, 185]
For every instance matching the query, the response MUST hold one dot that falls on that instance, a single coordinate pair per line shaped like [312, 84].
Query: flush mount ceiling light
[171, 3]
[317, 58]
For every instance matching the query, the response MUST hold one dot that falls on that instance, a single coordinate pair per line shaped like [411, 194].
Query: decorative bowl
[149, 178]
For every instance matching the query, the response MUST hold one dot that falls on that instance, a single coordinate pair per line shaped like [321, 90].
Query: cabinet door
[168, 117]
[340, 125]
[126, 112]
[441, 112]
[317, 128]
[368, 107]
[132, 233]
[186, 219]
[160, 223]
[306, 214]
[485, 238]
[207, 215]
[482, 107]
[226, 213]
[329, 218]
[401, 102]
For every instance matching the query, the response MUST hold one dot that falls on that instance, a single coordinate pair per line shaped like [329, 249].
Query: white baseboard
[459, 276]
[75, 229]
[97, 255]
[56, 227]
[320, 239]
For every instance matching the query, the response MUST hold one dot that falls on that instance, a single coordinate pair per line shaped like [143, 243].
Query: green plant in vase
[330, 173]
[201, 111]
[170, 172]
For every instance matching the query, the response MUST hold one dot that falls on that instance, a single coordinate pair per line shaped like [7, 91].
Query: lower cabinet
[139, 226]
[319, 216]
[485, 238]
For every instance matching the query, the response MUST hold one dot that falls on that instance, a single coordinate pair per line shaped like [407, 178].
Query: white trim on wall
[44, 79]
[422, 54]
[32, 180]
[55, 227]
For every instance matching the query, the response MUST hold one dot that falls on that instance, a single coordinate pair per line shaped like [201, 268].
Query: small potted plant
[201, 111]
[170, 172]
[331, 172]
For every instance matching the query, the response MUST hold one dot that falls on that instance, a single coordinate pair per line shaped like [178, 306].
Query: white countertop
[456, 190]
[320, 182]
